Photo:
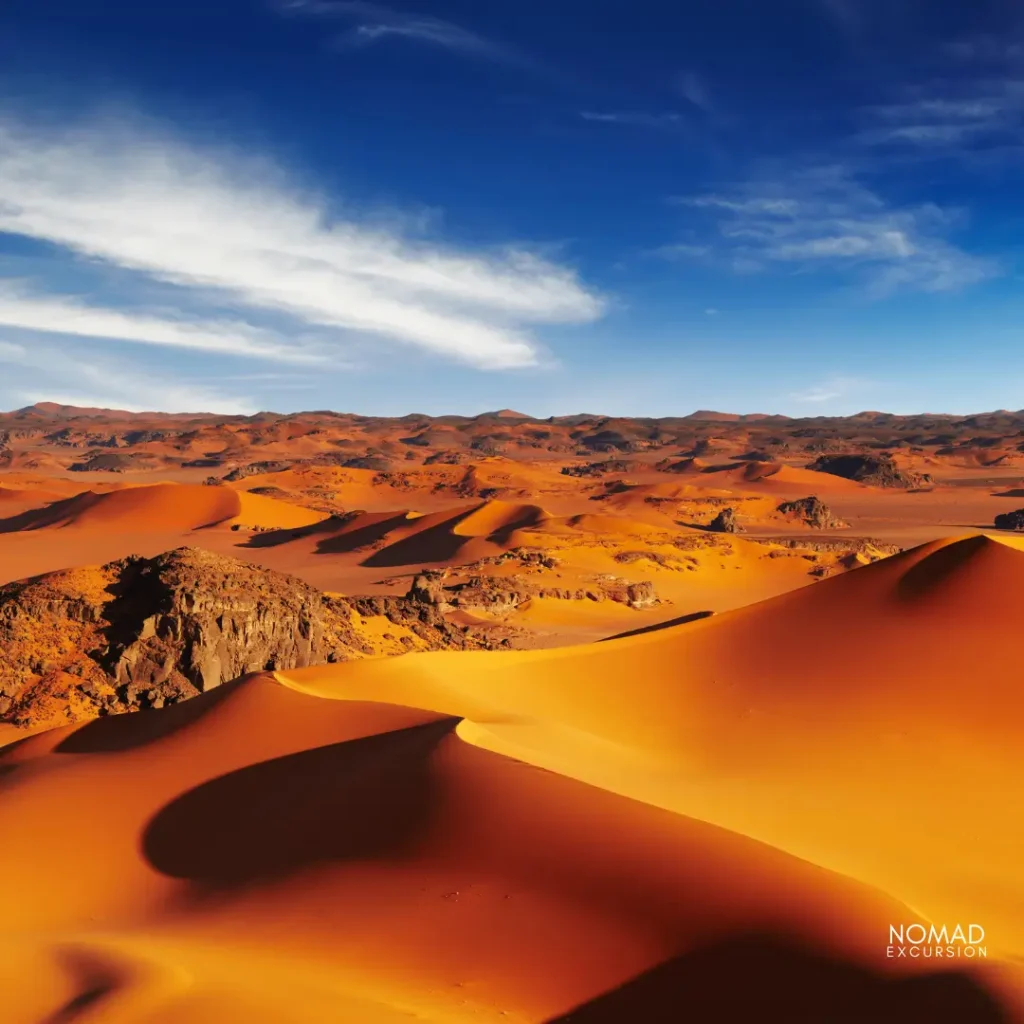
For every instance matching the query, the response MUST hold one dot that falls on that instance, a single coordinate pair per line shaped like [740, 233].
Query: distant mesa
[711, 416]
[504, 414]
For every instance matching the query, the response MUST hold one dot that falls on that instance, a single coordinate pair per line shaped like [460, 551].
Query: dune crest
[163, 507]
[724, 807]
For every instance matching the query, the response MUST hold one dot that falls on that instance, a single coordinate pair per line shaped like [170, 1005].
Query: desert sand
[699, 817]
[527, 836]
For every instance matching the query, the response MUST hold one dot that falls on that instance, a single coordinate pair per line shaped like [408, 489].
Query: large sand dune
[717, 820]
[162, 507]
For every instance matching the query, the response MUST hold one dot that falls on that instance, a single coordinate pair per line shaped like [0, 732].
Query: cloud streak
[948, 116]
[823, 219]
[44, 373]
[667, 121]
[830, 389]
[64, 316]
[373, 23]
[222, 230]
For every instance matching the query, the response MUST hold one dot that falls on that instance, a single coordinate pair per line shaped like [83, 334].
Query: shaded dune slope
[717, 820]
[161, 507]
[401, 538]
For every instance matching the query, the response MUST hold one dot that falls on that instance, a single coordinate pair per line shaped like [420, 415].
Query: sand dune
[718, 820]
[461, 534]
[761, 477]
[162, 507]
[775, 477]
[840, 722]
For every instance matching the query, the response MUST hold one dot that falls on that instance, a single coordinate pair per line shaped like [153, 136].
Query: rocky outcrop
[600, 468]
[1011, 521]
[110, 462]
[874, 470]
[144, 632]
[725, 522]
[813, 512]
[499, 596]
[852, 545]
[259, 468]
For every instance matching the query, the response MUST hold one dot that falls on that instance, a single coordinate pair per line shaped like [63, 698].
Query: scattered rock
[725, 522]
[813, 512]
[258, 469]
[874, 470]
[1011, 521]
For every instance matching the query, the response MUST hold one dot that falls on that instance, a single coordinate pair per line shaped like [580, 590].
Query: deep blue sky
[804, 206]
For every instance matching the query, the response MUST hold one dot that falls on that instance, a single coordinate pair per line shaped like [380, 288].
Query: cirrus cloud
[225, 231]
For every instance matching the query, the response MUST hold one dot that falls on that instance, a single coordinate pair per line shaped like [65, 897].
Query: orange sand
[164, 507]
[712, 821]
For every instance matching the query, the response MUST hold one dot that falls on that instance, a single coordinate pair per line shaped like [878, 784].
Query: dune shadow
[275, 538]
[356, 800]
[38, 518]
[434, 544]
[362, 537]
[9, 748]
[113, 733]
[439, 543]
[655, 626]
[763, 978]
[938, 567]
[97, 982]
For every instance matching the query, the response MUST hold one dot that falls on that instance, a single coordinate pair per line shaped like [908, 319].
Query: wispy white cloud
[40, 373]
[831, 388]
[667, 120]
[947, 115]
[695, 90]
[372, 22]
[683, 251]
[65, 316]
[223, 229]
[822, 218]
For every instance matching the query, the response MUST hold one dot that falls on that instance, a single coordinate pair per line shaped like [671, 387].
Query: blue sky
[807, 206]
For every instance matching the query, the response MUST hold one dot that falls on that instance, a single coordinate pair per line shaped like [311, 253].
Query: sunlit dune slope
[773, 476]
[871, 723]
[167, 507]
[762, 477]
[716, 820]
[261, 854]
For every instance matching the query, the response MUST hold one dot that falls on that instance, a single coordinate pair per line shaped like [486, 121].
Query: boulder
[813, 512]
[1011, 521]
[725, 522]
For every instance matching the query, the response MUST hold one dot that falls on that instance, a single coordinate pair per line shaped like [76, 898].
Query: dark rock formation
[108, 462]
[502, 595]
[640, 595]
[599, 468]
[1011, 521]
[377, 463]
[144, 632]
[258, 469]
[854, 545]
[875, 470]
[725, 522]
[813, 512]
